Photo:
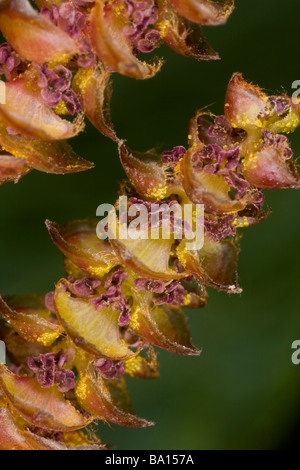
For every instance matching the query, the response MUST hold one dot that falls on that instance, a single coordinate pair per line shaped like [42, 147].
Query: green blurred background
[243, 391]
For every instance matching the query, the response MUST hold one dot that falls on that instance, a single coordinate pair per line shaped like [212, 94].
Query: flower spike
[70, 352]
[58, 59]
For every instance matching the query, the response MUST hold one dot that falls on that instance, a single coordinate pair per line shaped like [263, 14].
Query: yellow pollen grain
[241, 223]
[47, 338]
[288, 124]
[162, 26]
[60, 59]
[119, 9]
[181, 253]
[159, 192]
[131, 366]
[75, 439]
[134, 323]
[15, 152]
[177, 168]
[81, 390]
[61, 108]
[98, 271]
[81, 79]
[187, 299]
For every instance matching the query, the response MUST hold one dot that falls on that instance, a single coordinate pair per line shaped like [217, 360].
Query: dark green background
[243, 391]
